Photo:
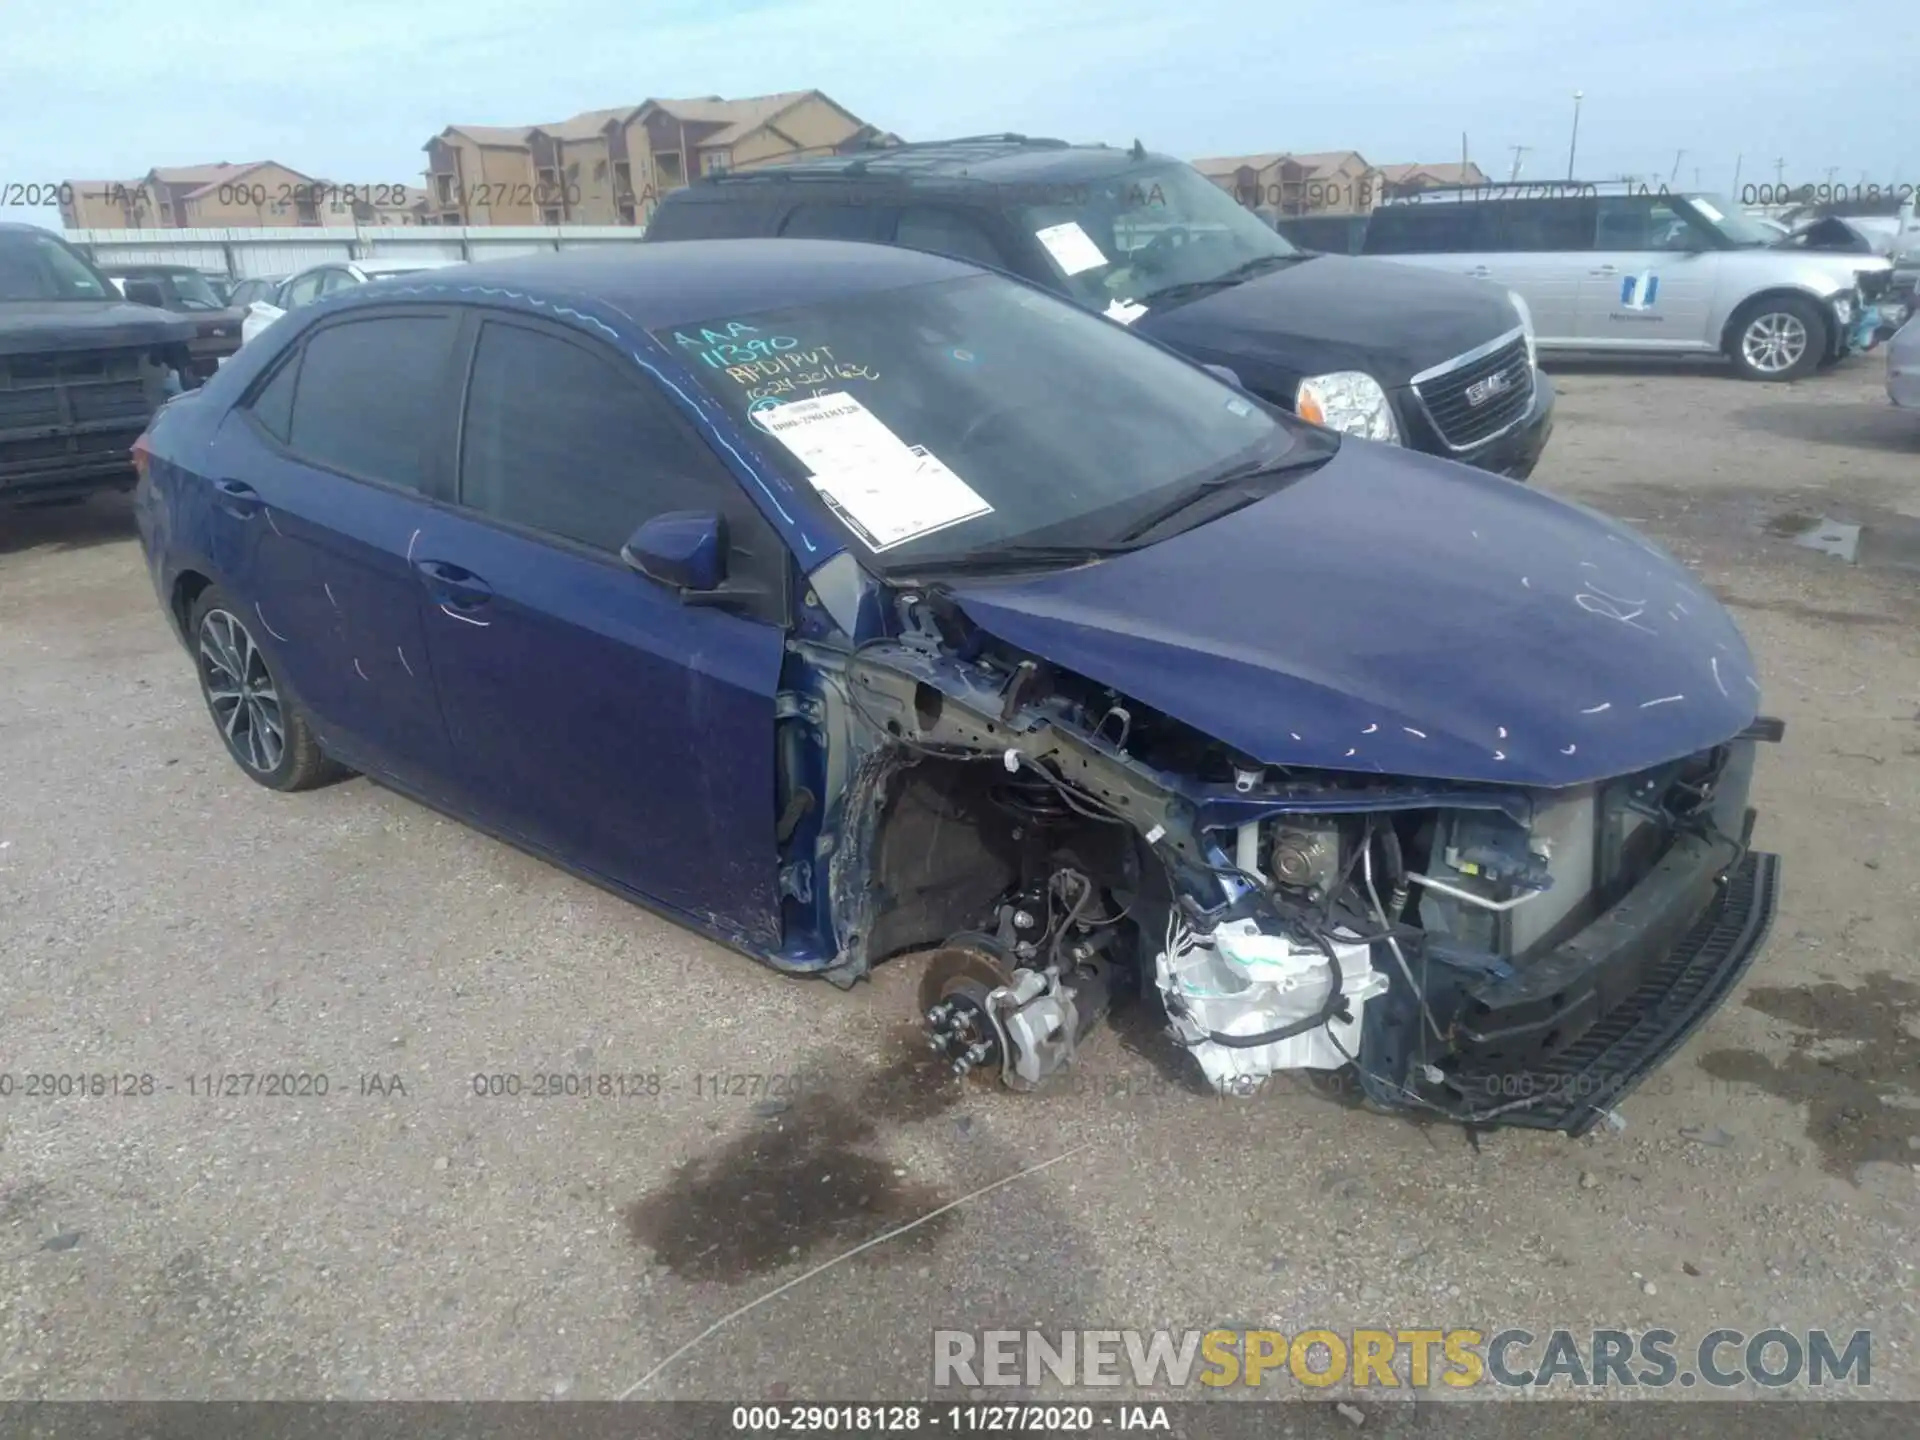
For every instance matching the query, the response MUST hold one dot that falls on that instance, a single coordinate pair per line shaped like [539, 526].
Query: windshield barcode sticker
[1071, 247]
[884, 490]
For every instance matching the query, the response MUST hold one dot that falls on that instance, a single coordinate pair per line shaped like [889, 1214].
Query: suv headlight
[1526, 326]
[1350, 401]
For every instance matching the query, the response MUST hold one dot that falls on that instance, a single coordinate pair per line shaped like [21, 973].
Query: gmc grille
[71, 413]
[1476, 397]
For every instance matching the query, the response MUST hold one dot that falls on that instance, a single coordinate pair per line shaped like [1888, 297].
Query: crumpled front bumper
[1558, 1043]
[1633, 997]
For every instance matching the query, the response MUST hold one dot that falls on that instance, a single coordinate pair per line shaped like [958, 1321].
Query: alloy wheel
[1774, 342]
[241, 692]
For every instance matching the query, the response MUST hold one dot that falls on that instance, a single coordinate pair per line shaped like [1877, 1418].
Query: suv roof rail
[872, 159]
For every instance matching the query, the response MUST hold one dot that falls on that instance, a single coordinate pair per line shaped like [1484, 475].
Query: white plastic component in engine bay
[1242, 981]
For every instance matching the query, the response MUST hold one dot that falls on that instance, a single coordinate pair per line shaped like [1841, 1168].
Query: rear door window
[557, 439]
[1434, 228]
[272, 406]
[712, 219]
[839, 221]
[369, 398]
[946, 231]
[1539, 225]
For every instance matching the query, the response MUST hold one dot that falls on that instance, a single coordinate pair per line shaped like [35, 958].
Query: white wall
[283, 250]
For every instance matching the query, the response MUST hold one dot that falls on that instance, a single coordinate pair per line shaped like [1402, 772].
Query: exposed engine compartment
[1061, 849]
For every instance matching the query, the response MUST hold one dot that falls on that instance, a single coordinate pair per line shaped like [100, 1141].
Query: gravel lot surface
[404, 1237]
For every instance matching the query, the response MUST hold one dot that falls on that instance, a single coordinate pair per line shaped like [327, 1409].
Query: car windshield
[1731, 222]
[184, 289]
[192, 291]
[36, 266]
[1149, 230]
[949, 419]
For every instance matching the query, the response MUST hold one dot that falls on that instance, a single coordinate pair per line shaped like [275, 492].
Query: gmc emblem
[1482, 391]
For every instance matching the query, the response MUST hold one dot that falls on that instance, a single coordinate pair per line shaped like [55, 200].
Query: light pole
[1574, 143]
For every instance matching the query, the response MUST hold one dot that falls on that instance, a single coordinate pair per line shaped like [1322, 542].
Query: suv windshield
[1149, 230]
[183, 289]
[1729, 222]
[37, 266]
[951, 419]
[191, 290]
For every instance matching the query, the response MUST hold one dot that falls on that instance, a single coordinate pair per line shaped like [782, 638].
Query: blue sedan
[845, 602]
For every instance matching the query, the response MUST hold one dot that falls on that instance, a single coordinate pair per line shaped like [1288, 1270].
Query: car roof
[398, 265]
[970, 163]
[682, 282]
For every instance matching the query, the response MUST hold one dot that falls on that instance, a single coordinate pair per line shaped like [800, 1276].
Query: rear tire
[1781, 337]
[264, 729]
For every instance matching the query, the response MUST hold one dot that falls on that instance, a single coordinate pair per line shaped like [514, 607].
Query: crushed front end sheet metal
[1495, 954]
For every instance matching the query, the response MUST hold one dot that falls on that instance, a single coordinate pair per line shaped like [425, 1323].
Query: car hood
[35, 327]
[1393, 613]
[1334, 312]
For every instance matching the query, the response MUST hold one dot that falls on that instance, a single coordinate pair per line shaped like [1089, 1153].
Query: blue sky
[351, 89]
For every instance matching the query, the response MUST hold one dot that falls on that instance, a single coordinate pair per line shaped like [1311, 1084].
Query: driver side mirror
[685, 550]
[145, 292]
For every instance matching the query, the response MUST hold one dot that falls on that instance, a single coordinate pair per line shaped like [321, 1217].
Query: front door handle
[452, 586]
[1479, 272]
[238, 498]
[1604, 270]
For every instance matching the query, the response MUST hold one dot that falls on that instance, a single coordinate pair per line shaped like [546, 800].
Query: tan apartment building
[609, 167]
[1411, 179]
[1334, 182]
[262, 193]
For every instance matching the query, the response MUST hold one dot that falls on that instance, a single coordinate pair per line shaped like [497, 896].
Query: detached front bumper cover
[1673, 989]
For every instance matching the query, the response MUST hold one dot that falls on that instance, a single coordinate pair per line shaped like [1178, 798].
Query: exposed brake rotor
[953, 1002]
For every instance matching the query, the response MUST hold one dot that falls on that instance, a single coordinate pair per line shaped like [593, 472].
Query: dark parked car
[1024, 639]
[184, 289]
[81, 370]
[1439, 363]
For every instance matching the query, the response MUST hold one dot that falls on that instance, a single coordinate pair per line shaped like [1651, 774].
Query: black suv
[82, 370]
[1440, 363]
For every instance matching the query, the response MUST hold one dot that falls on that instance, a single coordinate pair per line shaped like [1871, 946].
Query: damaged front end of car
[1490, 953]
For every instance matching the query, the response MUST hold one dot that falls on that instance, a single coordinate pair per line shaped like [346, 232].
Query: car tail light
[142, 454]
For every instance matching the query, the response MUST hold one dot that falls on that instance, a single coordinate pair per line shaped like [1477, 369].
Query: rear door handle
[1604, 270]
[452, 587]
[1480, 272]
[238, 498]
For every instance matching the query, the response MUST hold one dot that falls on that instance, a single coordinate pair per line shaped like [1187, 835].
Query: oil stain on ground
[803, 1184]
[1862, 1105]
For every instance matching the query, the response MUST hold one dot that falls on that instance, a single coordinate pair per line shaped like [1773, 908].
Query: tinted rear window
[368, 397]
[1414, 228]
[840, 220]
[273, 406]
[1520, 226]
[710, 219]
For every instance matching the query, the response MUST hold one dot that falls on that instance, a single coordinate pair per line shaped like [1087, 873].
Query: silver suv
[1623, 269]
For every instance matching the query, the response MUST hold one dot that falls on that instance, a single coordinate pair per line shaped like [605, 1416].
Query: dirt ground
[403, 1236]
